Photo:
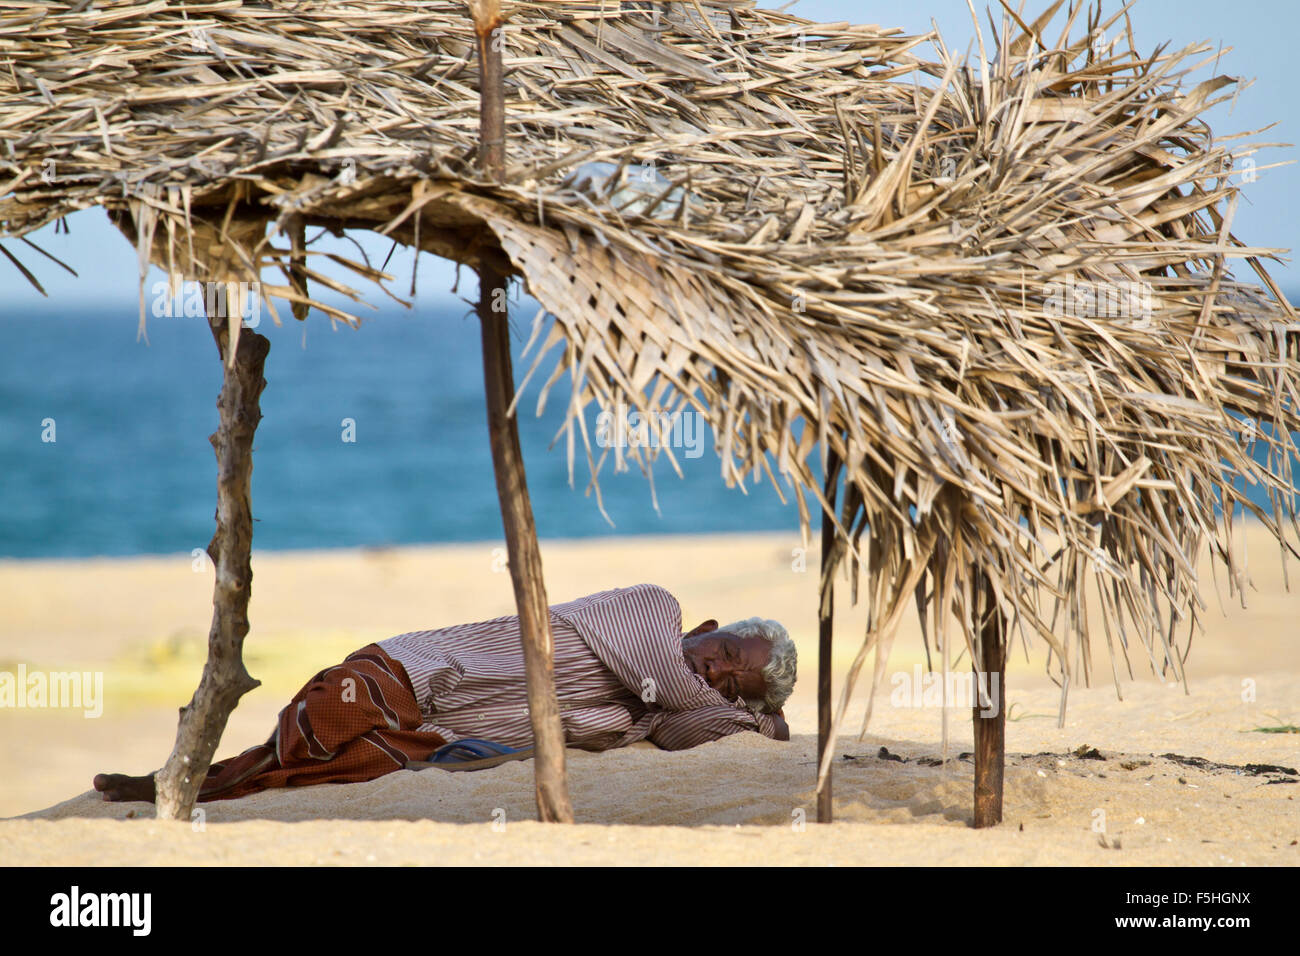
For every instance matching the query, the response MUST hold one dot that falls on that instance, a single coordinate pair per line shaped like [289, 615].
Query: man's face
[732, 665]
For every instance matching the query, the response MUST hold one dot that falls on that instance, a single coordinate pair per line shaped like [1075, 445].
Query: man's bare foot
[118, 787]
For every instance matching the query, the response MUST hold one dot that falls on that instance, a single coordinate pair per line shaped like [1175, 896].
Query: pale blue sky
[1261, 34]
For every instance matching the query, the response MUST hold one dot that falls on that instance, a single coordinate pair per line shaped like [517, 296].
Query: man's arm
[685, 729]
[636, 633]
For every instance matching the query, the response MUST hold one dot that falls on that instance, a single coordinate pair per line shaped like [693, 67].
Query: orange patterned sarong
[352, 722]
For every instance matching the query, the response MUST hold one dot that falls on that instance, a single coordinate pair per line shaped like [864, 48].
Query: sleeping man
[624, 672]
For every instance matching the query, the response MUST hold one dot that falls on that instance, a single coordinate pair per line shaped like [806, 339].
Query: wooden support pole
[489, 27]
[990, 712]
[825, 635]
[224, 679]
[525, 556]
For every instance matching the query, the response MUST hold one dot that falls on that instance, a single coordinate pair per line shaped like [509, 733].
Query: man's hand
[782, 728]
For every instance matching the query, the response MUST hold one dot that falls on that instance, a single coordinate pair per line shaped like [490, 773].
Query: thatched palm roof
[871, 259]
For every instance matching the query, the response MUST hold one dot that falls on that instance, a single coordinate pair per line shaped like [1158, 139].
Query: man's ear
[709, 625]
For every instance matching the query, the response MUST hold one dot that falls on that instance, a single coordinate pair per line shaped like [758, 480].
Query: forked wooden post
[507, 459]
[825, 636]
[990, 727]
[225, 678]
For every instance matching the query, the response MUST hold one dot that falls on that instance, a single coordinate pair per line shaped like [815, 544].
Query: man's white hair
[780, 672]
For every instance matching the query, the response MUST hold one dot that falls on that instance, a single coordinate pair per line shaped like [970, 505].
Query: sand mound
[747, 798]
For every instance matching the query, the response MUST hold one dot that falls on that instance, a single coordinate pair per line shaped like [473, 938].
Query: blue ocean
[130, 469]
[374, 436]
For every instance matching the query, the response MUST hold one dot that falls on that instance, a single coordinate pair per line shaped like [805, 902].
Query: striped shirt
[620, 676]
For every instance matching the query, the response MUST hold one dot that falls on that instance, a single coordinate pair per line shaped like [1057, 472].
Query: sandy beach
[1160, 777]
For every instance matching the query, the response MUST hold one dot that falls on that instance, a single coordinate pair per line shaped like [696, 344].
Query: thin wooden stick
[225, 679]
[552, 789]
[990, 727]
[825, 634]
